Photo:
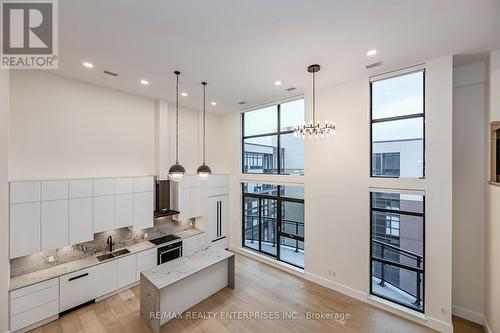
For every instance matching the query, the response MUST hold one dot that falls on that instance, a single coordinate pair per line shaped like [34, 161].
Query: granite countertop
[166, 274]
[73, 266]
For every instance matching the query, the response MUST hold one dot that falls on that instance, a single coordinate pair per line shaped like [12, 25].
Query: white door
[54, 224]
[104, 213]
[81, 228]
[212, 220]
[143, 210]
[106, 278]
[124, 210]
[224, 215]
[24, 229]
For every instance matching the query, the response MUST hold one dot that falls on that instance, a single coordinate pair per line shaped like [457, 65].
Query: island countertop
[170, 272]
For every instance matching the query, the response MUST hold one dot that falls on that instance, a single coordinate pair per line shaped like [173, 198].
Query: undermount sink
[120, 252]
[107, 256]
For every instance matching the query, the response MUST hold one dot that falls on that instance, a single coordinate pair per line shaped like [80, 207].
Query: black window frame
[279, 202]
[278, 133]
[403, 117]
[400, 212]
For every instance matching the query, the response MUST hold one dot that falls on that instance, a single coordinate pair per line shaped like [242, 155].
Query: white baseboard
[487, 326]
[356, 294]
[469, 315]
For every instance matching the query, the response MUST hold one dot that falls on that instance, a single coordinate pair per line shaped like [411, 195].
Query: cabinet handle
[78, 277]
[217, 218]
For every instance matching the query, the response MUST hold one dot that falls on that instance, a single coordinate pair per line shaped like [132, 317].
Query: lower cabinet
[34, 304]
[127, 270]
[77, 288]
[146, 260]
[193, 243]
[106, 278]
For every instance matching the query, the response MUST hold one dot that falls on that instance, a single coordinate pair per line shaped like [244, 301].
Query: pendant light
[176, 171]
[315, 129]
[204, 170]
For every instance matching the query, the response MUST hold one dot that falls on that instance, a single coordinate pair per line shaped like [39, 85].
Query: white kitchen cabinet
[55, 190]
[24, 229]
[124, 185]
[80, 188]
[77, 288]
[218, 220]
[104, 213]
[104, 186]
[54, 224]
[106, 278]
[193, 243]
[143, 184]
[143, 210]
[187, 198]
[81, 228]
[127, 270]
[124, 210]
[33, 304]
[23, 192]
[146, 260]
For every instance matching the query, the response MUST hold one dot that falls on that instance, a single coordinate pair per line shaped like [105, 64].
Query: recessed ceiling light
[145, 82]
[371, 52]
[277, 83]
[88, 65]
[213, 103]
[184, 94]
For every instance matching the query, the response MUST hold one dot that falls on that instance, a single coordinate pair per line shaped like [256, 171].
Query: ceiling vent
[375, 64]
[110, 73]
[242, 102]
[291, 89]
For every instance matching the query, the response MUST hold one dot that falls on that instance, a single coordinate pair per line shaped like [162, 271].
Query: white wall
[492, 264]
[65, 128]
[337, 191]
[4, 199]
[469, 185]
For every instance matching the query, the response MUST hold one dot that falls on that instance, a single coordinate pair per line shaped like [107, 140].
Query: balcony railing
[295, 226]
[418, 268]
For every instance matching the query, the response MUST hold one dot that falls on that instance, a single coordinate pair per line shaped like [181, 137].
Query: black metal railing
[296, 226]
[417, 268]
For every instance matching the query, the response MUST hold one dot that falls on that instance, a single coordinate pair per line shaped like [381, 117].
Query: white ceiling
[242, 46]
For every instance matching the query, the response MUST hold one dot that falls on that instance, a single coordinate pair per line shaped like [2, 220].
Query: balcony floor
[394, 293]
[287, 253]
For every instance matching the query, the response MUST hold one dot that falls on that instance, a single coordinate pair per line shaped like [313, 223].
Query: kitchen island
[169, 289]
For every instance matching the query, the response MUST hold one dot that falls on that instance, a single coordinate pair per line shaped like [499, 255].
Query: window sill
[273, 262]
[282, 179]
[407, 311]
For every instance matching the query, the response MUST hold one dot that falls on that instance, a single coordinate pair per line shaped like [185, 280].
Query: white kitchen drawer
[124, 210]
[21, 192]
[33, 316]
[33, 288]
[77, 288]
[104, 186]
[124, 185]
[24, 229]
[80, 188]
[193, 243]
[143, 184]
[39, 298]
[127, 269]
[55, 190]
[146, 259]
[106, 278]
[54, 224]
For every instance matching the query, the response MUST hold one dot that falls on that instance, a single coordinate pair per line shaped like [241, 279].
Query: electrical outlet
[51, 259]
[443, 310]
[332, 273]
[145, 235]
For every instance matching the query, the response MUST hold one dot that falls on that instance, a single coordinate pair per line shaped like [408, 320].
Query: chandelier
[315, 129]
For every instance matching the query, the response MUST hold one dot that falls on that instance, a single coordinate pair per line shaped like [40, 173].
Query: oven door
[169, 252]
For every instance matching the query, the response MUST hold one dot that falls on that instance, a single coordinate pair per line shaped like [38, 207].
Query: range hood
[162, 207]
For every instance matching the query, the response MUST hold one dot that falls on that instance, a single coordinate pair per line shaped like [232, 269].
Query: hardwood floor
[259, 288]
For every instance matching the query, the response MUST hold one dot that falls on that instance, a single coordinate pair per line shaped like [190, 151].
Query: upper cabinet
[47, 215]
[187, 198]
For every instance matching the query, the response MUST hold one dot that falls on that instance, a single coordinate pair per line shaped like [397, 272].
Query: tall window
[397, 126]
[397, 248]
[273, 221]
[269, 146]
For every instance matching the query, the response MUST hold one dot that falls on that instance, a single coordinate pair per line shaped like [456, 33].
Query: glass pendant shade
[176, 171]
[204, 170]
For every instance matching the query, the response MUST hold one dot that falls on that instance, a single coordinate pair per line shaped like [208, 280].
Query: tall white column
[161, 139]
